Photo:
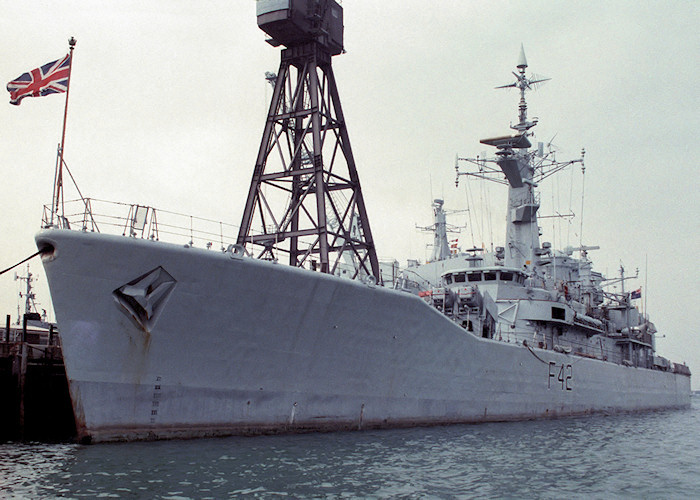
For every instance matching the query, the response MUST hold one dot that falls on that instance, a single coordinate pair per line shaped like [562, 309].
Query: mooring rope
[535, 355]
[20, 262]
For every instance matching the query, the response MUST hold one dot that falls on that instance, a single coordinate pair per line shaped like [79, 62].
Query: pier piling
[33, 386]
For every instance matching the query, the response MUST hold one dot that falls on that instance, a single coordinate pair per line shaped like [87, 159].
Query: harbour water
[642, 455]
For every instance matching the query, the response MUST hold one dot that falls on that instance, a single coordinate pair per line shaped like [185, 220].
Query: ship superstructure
[168, 340]
[526, 291]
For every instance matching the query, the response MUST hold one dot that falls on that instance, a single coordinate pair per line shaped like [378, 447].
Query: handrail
[140, 221]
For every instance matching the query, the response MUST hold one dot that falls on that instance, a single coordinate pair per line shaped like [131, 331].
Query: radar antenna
[543, 159]
[524, 83]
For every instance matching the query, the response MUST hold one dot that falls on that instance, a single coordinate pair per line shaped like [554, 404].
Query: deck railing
[140, 221]
[145, 222]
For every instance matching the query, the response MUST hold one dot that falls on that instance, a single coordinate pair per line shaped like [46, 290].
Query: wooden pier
[36, 404]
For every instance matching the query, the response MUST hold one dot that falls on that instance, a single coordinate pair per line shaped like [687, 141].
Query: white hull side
[245, 346]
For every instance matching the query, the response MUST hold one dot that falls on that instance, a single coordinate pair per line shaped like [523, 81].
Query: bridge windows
[488, 276]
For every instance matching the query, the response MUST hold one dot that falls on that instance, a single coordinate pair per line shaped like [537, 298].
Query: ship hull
[232, 345]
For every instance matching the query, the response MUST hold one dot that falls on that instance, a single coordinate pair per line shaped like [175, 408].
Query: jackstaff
[58, 182]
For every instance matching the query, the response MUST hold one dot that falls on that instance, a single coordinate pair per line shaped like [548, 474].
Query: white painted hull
[246, 346]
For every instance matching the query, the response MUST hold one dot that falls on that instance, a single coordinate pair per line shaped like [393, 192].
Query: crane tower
[305, 201]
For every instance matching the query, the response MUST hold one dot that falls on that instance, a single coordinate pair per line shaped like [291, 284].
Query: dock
[36, 404]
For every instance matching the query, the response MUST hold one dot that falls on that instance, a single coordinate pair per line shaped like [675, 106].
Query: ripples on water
[650, 455]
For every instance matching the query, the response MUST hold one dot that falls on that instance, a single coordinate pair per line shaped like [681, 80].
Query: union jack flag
[51, 78]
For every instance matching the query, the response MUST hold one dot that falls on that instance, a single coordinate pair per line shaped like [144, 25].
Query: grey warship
[297, 326]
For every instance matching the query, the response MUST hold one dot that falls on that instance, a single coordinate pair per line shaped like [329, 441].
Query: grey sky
[168, 102]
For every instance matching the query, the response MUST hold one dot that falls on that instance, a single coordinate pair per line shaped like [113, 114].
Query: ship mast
[305, 203]
[28, 295]
[439, 228]
[522, 231]
[523, 83]
[522, 170]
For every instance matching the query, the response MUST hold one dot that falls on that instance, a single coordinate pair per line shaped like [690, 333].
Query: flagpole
[58, 185]
[646, 276]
